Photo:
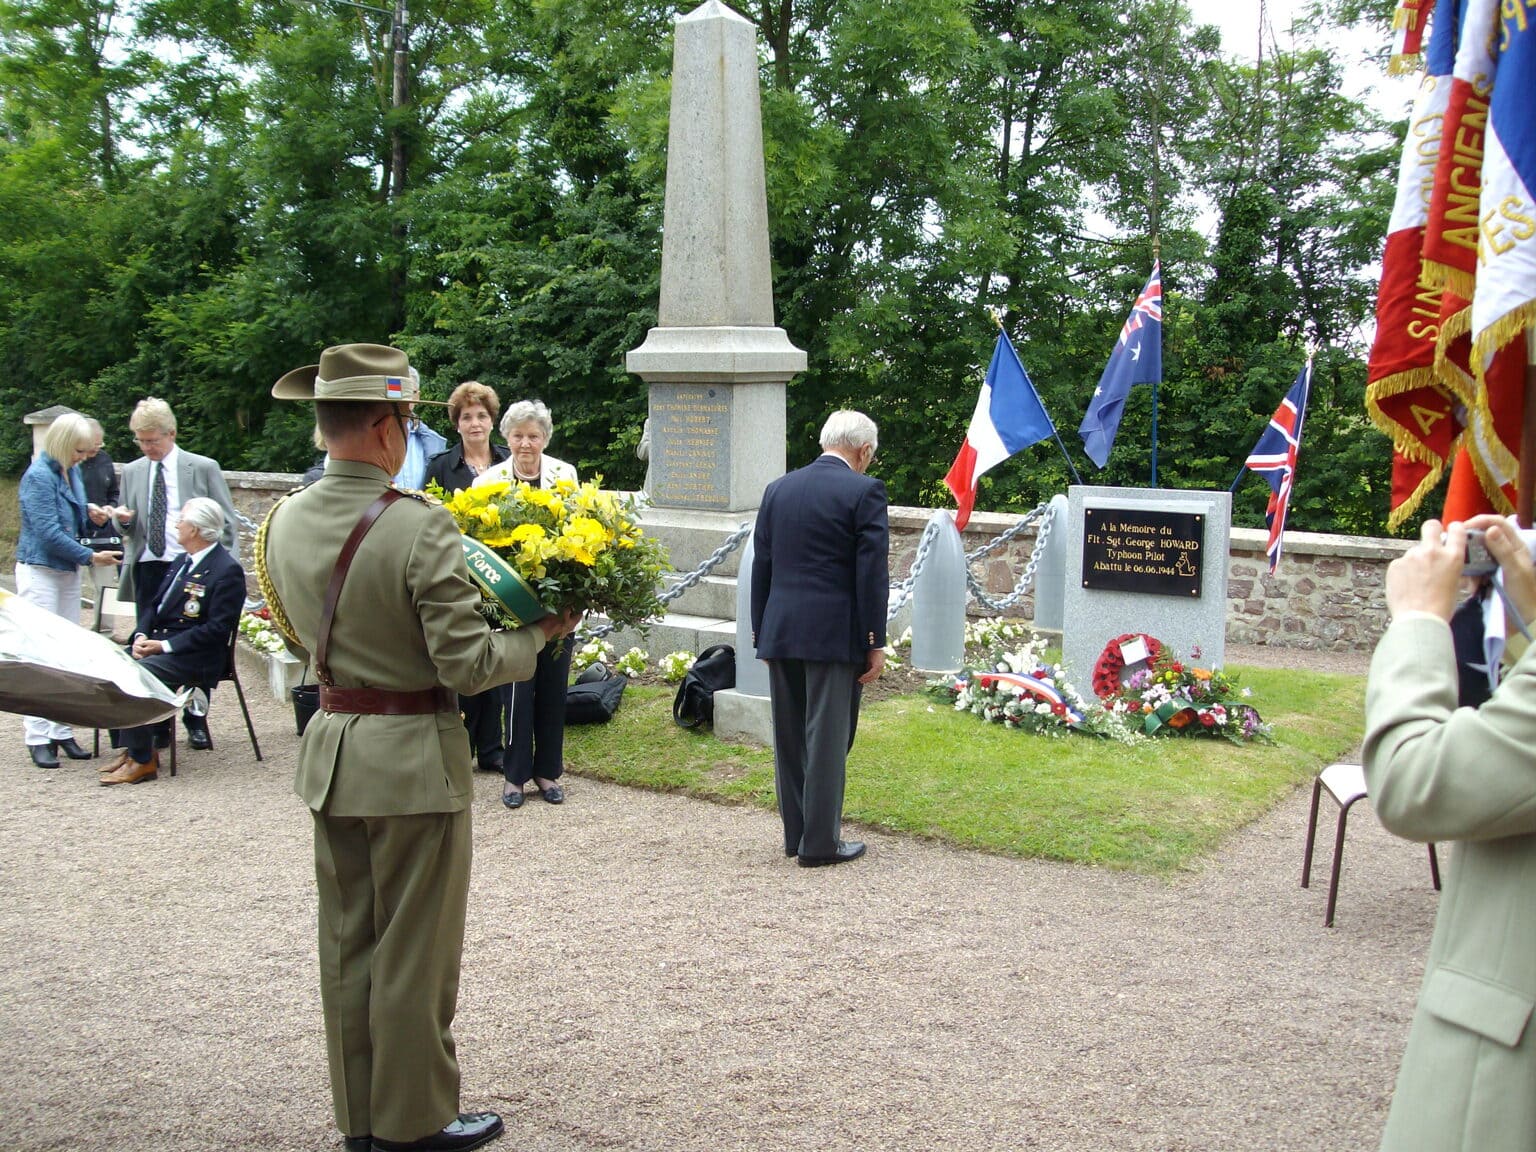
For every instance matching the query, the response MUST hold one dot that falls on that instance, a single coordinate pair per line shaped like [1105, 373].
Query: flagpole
[1525, 488]
[1156, 258]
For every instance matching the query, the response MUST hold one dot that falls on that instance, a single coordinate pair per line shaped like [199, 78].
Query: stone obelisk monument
[716, 363]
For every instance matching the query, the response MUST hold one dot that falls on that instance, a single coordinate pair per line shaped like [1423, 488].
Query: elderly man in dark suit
[182, 634]
[819, 588]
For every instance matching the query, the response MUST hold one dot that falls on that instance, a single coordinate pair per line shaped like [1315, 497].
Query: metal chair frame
[1345, 784]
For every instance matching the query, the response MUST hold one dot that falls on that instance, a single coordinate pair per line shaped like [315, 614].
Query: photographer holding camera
[1436, 772]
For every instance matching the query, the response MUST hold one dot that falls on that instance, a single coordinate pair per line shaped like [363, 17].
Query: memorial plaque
[1150, 562]
[1146, 550]
[690, 445]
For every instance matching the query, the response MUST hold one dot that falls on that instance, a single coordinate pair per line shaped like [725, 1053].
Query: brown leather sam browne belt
[384, 702]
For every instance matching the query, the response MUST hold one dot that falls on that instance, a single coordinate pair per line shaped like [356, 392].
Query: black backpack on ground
[595, 696]
[714, 670]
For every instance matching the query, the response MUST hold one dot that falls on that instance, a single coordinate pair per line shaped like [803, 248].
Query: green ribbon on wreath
[1163, 714]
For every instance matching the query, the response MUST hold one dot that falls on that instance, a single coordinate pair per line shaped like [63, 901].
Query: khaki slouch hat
[360, 372]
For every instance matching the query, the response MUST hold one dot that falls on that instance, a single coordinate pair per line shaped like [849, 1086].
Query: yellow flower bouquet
[536, 551]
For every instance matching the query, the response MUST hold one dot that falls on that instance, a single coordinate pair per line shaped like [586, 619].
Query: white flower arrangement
[259, 634]
[590, 653]
[632, 663]
[674, 666]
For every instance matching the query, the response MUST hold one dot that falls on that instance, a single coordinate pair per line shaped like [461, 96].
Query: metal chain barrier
[902, 589]
[690, 580]
[1026, 581]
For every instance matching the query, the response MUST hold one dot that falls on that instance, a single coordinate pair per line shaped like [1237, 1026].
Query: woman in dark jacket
[473, 407]
[54, 516]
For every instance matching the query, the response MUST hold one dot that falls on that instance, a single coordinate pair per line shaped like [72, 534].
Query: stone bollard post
[938, 601]
[1051, 571]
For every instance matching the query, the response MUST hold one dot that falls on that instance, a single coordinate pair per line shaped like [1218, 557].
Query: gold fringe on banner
[1404, 443]
[1504, 330]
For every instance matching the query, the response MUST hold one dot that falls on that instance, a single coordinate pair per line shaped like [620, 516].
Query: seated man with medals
[182, 634]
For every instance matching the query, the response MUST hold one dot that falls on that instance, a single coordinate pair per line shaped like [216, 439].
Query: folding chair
[231, 672]
[1345, 784]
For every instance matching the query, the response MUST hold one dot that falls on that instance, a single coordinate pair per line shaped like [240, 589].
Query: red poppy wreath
[1110, 664]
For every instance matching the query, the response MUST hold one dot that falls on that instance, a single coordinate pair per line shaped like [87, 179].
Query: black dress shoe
[513, 799]
[43, 756]
[489, 763]
[357, 1143]
[554, 794]
[72, 750]
[470, 1130]
[198, 737]
[846, 850]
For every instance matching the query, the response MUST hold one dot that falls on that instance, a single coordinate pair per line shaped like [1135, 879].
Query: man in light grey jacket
[155, 487]
[1437, 772]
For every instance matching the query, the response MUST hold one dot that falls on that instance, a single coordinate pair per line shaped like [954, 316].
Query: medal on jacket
[194, 605]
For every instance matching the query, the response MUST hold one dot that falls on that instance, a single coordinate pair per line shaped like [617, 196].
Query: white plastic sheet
[53, 668]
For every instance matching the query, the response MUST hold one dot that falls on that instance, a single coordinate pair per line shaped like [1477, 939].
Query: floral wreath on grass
[1020, 690]
[1171, 698]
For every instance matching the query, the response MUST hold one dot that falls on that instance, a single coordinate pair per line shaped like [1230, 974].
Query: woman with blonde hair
[54, 517]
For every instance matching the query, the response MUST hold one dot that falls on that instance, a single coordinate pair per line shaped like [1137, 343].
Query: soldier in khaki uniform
[385, 764]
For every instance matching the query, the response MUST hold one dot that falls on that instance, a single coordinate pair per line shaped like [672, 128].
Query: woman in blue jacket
[54, 515]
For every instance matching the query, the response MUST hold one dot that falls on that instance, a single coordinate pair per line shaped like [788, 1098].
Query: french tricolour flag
[1505, 299]
[1008, 418]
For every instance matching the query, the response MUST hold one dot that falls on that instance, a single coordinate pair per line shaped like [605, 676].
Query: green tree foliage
[199, 195]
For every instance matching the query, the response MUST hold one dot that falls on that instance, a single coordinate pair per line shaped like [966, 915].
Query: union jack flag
[1275, 456]
[1148, 304]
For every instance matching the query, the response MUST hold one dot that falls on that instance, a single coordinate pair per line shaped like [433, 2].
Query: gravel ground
[646, 971]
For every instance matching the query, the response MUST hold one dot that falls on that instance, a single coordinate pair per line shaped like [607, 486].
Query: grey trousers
[815, 717]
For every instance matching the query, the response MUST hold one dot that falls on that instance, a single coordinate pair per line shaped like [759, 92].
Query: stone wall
[1327, 594]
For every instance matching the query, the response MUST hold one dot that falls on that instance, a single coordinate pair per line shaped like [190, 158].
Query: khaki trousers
[392, 895]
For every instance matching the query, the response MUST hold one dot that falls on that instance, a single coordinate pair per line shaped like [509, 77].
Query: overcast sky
[1239, 24]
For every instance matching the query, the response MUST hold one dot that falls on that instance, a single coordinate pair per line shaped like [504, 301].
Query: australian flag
[1275, 456]
[1137, 359]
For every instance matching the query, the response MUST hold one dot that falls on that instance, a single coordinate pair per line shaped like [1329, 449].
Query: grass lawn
[921, 769]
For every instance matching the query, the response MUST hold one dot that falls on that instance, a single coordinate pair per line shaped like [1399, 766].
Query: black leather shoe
[43, 755]
[72, 750]
[513, 799]
[470, 1130]
[357, 1143]
[198, 737]
[554, 794]
[489, 764]
[846, 850]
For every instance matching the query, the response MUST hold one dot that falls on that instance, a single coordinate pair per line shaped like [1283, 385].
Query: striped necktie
[179, 575]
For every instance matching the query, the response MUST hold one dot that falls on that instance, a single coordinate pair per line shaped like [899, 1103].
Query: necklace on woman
[518, 472]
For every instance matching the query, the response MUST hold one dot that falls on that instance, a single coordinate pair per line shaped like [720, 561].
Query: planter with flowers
[259, 635]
